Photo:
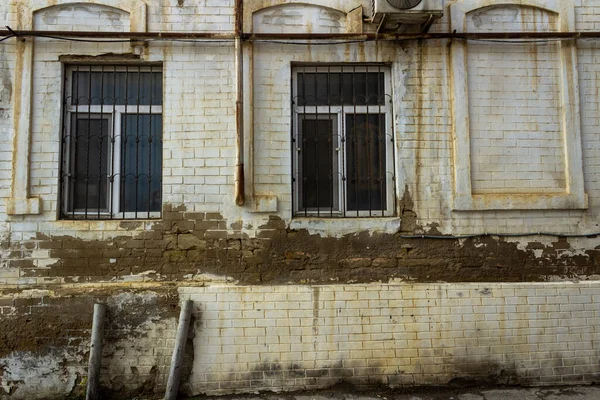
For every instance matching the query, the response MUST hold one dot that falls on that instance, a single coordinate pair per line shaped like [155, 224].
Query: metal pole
[95, 352]
[240, 196]
[179, 351]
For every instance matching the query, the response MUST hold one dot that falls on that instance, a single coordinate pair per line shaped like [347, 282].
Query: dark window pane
[365, 162]
[80, 88]
[141, 160]
[336, 88]
[89, 158]
[116, 86]
[316, 162]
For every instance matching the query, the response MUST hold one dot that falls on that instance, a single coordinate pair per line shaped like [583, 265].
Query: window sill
[338, 227]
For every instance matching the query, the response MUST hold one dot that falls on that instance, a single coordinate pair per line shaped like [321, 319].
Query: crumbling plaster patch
[27, 375]
[44, 339]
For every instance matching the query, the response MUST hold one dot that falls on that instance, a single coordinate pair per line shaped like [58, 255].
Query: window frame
[340, 112]
[114, 113]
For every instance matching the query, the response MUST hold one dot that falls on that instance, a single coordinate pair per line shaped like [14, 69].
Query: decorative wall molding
[574, 196]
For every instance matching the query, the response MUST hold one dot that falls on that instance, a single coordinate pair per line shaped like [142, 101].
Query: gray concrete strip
[575, 393]
[470, 396]
[511, 394]
[475, 393]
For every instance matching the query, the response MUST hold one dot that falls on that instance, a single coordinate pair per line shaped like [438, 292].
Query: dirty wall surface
[286, 302]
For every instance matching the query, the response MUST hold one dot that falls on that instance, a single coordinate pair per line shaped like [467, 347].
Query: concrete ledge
[30, 206]
[482, 202]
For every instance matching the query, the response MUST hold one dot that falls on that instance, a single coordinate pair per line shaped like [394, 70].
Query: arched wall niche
[348, 10]
[563, 9]
[511, 17]
[298, 18]
[136, 9]
[81, 17]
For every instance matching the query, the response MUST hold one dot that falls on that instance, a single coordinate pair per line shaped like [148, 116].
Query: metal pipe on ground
[179, 351]
[95, 352]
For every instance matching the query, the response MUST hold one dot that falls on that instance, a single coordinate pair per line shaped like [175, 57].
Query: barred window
[111, 147]
[342, 141]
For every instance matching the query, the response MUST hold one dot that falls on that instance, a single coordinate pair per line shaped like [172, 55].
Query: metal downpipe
[240, 196]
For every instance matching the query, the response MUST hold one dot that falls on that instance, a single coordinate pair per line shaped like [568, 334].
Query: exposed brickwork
[193, 246]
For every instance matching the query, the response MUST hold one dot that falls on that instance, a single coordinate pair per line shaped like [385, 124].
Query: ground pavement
[474, 393]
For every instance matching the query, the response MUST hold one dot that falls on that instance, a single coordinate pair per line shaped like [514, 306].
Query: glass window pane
[89, 162]
[141, 161]
[317, 162]
[365, 162]
[337, 88]
[113, 85]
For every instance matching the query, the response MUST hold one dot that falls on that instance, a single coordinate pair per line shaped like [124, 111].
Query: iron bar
[99, 191]
[340, 109]
[107, 143]
[331, 147]
[137, 141]
[113, 166]
[73, 161]
[316, 145]
[124, 139]
[150, 117]
[65, 145]
[87, 150]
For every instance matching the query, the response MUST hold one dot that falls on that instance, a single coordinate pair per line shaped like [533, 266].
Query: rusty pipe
[300, 36]
[120, 35]
[239, 181]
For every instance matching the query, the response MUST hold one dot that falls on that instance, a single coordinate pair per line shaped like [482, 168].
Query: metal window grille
[111, 142]
[342, 141]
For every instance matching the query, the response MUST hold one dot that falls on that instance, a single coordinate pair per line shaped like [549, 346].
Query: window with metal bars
[111, 144]
[342, 141]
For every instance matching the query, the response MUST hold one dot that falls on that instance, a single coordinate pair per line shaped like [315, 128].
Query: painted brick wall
[285, 337]
[252, 338]
[515, 113]
[275, 323]
[199, 150]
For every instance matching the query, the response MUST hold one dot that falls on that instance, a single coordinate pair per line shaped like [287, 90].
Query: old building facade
[364, 208]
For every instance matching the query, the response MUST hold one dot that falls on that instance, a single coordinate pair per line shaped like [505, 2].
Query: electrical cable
[291, 41]
[69, 39]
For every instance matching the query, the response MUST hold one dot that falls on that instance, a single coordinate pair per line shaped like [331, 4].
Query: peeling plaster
[27, 376]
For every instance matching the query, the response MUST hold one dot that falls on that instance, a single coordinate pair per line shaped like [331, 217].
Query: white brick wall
[305, 337]
[199, 121]
[515, 113]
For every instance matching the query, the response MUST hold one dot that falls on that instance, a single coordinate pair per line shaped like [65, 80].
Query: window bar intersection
[342, 162]
[111, 142]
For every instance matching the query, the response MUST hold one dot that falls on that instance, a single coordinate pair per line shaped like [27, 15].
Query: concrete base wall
[282, 338]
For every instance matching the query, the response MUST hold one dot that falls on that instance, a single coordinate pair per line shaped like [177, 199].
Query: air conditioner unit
[396, 12]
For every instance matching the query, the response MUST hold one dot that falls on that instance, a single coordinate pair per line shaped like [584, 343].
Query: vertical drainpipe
[239, 105]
